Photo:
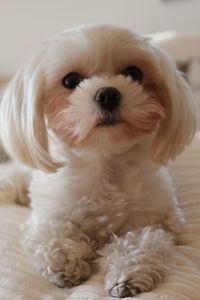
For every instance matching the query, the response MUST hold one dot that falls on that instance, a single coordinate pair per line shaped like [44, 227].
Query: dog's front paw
[65, 262]
[75, 270]
[136, 262]
[60, 252]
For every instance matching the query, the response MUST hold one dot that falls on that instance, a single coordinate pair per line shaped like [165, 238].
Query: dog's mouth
[109, 121]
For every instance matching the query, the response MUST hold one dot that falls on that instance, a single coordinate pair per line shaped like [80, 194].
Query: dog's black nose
[108, 98]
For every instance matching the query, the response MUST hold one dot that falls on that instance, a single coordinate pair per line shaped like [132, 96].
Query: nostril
[108, 98]
[102, 98]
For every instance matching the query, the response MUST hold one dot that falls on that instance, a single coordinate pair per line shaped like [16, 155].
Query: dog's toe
[122, 290]
[63, 281]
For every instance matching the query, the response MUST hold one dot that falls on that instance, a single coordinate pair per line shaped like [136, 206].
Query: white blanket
[18, 280]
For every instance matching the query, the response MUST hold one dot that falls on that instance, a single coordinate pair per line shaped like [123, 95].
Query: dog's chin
[109, 132]
[104, 133]
[109, 121]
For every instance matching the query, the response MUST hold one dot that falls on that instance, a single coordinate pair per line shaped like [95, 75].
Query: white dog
[98, 112]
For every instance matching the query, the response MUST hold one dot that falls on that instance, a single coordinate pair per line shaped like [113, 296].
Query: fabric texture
[19, 281]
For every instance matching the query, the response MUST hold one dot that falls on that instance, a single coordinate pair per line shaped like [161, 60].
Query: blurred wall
[25, 23]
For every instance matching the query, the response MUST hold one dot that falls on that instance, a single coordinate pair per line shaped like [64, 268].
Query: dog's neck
[134, 153]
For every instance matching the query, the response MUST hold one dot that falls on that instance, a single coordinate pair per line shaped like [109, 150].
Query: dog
[92, 122]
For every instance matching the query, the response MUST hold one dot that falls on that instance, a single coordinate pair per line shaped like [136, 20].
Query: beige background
[25, 23]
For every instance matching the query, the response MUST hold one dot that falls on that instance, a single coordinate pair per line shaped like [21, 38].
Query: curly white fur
[107, 193]
[136, 262]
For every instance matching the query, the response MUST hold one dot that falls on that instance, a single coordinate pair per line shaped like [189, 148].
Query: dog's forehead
[100, 48]
[111, 44]
[107, 41]
[107, 34]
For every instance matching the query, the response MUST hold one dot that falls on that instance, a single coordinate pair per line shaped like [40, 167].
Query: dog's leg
[136, 262]
[14, 182]
[60, 251]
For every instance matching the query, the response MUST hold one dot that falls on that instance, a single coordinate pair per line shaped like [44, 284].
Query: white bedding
[18, 281]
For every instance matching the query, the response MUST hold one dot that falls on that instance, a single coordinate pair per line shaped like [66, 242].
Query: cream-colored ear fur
[22, 125]
[178, 128]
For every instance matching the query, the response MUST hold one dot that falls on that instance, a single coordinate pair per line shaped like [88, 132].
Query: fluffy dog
[98, 112]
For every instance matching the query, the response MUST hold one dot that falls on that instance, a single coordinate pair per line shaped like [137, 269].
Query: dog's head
[97, 87]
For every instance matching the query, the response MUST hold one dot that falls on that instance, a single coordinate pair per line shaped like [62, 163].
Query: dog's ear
[178, 128]
[22, 122]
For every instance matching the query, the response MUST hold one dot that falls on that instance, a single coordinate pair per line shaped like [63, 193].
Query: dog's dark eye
[71, 80]
[134, 72]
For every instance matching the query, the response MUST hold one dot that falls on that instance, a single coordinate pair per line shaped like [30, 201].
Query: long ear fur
[22, 123]
[178, 128]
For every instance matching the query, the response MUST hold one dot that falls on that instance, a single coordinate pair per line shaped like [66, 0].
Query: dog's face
[99, 87]
[102, 88]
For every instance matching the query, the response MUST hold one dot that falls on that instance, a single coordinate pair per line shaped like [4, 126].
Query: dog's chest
[106, 196]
